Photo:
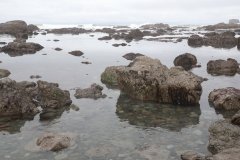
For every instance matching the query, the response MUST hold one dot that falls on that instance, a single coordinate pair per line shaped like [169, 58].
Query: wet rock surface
[4, 73]
[32, 28]
[187, 61]
[19, 48]
[150, 114]
[227, 67]
[132, 56]
[17, 28]
[94, 92]
[225, 98]
[76, 53]
[147, 79]
[58, 49]
[110, 76]
[54, 142]
[228, 154]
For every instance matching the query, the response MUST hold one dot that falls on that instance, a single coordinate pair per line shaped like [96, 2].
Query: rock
[56, 40]
[86, 62]
[110, 76]
[58, 49]
[51, 96]
[223, 135]
[132, 56]
[32, 28]
[35, 77]
[155, 26]
[221, 67]
[74, 107]
[76, 53]
[134, 34]
[221, 26]
[74, 31]
[225, 98]
[195, 41]
[121, 44]
[53, 142]
[94, 92]
[236, 119]
[147, 79]
[106, 30]
[105, 38]
[187, 61]
[234, 21]
[191, 155]
[228, 154]
[17, 28]
[21, 48]
[3, 43]
[4, 73]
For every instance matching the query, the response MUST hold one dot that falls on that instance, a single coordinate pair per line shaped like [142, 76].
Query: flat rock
[94, 92]
[76, 53]
[225, 98]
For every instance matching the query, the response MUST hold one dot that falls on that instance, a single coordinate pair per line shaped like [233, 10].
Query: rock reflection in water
[149, 114]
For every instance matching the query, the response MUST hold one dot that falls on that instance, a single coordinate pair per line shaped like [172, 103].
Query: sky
[120, 11]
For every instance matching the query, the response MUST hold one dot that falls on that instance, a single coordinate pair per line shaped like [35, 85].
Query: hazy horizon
[122, 12]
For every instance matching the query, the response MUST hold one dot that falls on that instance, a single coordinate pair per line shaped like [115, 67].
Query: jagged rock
[225, 98]
[4, 73]
[187, 61]
[95, 92]
[221, 67]
[236, 119]
[132, 56]
[223, 135]
[54, 142]
[147, 79]
[16, 28]
[19, 48]
[76, 53]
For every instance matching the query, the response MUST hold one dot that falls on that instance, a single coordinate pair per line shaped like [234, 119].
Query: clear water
[115, 127]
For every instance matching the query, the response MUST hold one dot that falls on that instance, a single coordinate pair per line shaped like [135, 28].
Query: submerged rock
[95, 92]
[19, 48]
[17, 28]
[147, 79]
[221, 67]
[4, 73]
[187, 61]
[54, 142]
[225, 98]
[132, 56]
[76, 53]
[223, 135]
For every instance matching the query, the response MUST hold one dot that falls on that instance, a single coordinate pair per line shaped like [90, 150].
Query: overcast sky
[120, 11]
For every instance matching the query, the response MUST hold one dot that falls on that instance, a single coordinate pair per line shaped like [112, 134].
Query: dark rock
[132, 56]
[121, 44]
[4, 73]
[76, 53]
[3, 43]
[223, 135]
[95, 92]
[35, 77]
[74, 31]
[135, 34]
[228, 154]
[32, 28]
[155, 26]
[225, 98]
[187, 61]
[18, 29]
[106, 30]
[54, 142]
[110, 76]
[86, 62]
[56, 40]
[195, 41]
[58, 49]
[221, 67]
[105, 38]
[147, 79]
[236, 119]
[43, 33]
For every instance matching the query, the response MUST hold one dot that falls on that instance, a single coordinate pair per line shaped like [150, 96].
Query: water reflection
[149, 114]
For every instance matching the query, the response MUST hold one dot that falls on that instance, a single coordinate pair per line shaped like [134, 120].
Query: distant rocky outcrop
[147, 79]
[155, 26]
[221, 26]
[74, 31]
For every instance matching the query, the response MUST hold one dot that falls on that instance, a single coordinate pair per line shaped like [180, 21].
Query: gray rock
[94, 91]
[225, 98]
[187, 61]
[221, 67]
[236, 119]
[4, 73]
[110, 76]
[76, 53]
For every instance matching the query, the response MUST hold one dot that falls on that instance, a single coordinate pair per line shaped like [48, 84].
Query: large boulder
[19, 48]
[23, 98]
[223, 135]
[223, 67]
[16, 28]
[4, 73]
[94, 91]
[187, 61]
[225, 98]
[147, 79]
[54, 142]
